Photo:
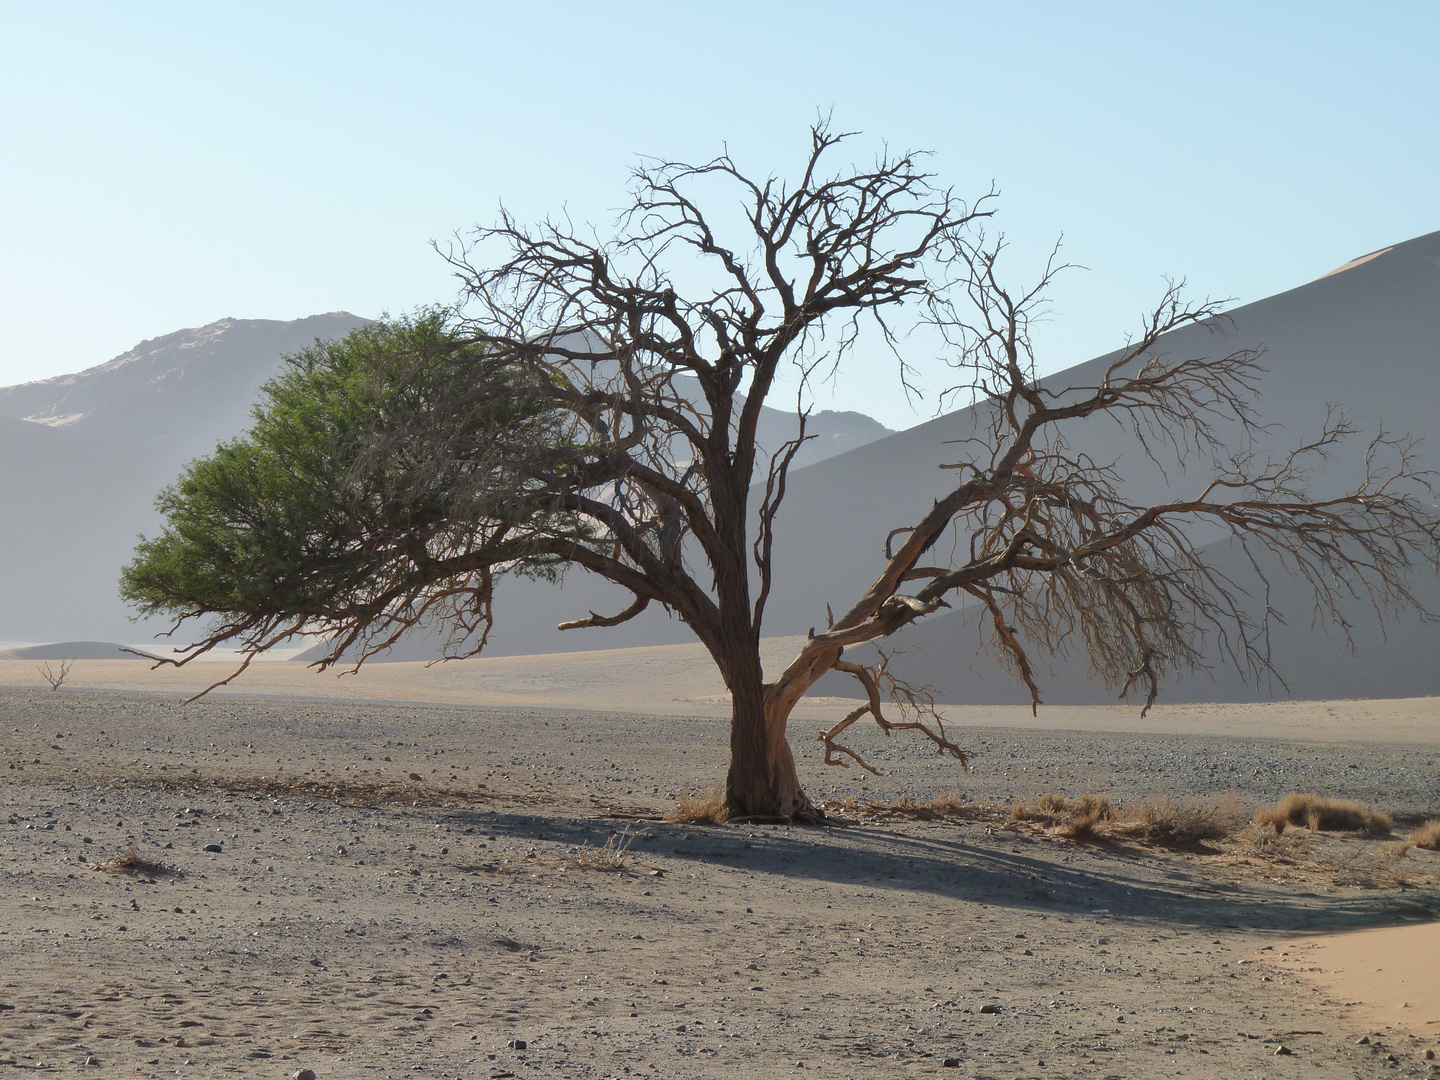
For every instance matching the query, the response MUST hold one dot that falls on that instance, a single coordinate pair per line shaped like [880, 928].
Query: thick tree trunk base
[763, 784]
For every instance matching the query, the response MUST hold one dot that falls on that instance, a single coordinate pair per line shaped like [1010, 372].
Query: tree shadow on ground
[970, 865]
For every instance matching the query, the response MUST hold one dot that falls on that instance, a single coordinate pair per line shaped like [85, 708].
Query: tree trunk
[762, 781]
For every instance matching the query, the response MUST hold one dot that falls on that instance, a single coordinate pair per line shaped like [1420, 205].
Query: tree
[595, 404]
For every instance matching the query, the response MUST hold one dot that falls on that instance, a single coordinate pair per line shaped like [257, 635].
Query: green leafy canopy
[384, 481]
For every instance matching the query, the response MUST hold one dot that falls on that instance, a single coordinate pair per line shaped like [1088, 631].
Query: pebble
[990, 1008]
[1429, 1055]
[1283, 1051]
[303, 1074]
[216, 848]
[951, 1063]
[518, 1044]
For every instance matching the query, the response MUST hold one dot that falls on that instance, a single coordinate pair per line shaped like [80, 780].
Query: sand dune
[682, 680]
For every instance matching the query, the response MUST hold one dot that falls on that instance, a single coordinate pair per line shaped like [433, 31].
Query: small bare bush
[130, 861]
[615, 855]
[1273, 847]
[706, 809]
[56, 679]
[1427, 835]
[1324, 815]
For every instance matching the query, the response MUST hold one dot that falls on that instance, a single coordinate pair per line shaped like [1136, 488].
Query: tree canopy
[594, 403]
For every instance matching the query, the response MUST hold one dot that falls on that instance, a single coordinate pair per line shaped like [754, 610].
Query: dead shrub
[1281, 849]
[1324, 815]
[1054, 805]
[952, 805]
[1048, 808]
[1427, 835]
[130, 861]
[1163, 819]
[1089, 812]
[613, 856]
[706, 809]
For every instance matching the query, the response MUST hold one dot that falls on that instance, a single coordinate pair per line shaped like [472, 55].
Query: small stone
[1392, 1059]
[1429, 1055]
[215, 848]
[416, 776]
[1363, 1040]
[518, 1044]
[990, 1009]
[1283, 1051]
[92, 1060]
[951, 1063]
[303, 1074]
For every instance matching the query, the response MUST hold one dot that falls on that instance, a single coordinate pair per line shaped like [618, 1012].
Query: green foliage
[385, 480]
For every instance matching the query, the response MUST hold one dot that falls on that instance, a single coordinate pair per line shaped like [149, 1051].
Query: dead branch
[55, 678]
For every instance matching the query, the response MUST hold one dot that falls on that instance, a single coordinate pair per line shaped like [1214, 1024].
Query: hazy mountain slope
[185, 390]
[1366, 338]
[73, 496]
[86, 454]
[1312, 660]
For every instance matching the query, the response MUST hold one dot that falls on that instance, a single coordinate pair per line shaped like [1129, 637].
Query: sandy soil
[667, 679]
[1388, 976]
[410, 889]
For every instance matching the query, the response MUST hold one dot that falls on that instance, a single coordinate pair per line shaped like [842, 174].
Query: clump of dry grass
[1088, 813]
[130, 861]
[1071, 820]
[1162, 819]
[1427, 835]
[706, 809]
[615, 855]
[1158, 819]
[1324, 815]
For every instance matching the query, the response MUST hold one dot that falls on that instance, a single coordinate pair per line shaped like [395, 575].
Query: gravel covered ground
[419, 890]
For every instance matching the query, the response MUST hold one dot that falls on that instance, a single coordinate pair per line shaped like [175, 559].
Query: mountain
[180, 393]
[86, 454]
[1365, 337]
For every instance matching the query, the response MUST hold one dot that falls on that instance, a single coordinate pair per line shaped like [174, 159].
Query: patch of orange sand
[1387, 977]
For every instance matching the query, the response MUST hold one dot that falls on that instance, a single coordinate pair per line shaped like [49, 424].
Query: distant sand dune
[682, 680]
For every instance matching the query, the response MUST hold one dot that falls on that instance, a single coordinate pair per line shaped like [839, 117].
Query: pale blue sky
[165, 166]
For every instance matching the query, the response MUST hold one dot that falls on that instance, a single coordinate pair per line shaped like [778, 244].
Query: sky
[164, 166]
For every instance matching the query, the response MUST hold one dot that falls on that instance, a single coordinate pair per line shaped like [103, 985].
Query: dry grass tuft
[1088, 813]
[1054, 804]
[132, 862]
[706, 809]
[1162, 819]
[615, 855]
[1324, 815]
[1158, 819]
[1427, 835]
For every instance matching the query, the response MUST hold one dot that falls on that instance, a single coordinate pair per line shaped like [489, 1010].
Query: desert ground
[462, 871]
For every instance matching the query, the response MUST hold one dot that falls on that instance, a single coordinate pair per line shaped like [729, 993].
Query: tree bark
[763, 781]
